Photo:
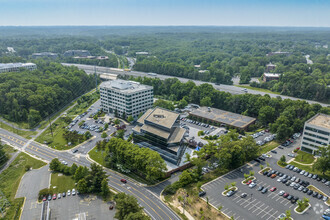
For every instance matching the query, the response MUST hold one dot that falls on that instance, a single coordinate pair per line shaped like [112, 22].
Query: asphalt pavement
[257, 205]
[151, 202]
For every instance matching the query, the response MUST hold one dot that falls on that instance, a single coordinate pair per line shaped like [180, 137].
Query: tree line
[93, 180]
[283, 116]
[142, 161]
[30, 96]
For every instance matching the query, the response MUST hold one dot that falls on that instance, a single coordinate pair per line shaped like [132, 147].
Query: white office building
[125, 96]
[15, 67]
[316, 133]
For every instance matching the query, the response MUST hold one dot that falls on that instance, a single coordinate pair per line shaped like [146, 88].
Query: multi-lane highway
[152, 204]
[225, 88]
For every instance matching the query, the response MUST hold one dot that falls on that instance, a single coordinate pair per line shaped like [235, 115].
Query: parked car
[49, 197]
[243, 195]
[68, 193]
[272, 189]
[309, 192]
[252, 185]
[285, 195]
[281, 193]
[260, 188]
[44, 198]
[123, 181]
[73, 192]
[230, 193]
[264, 190]
[201, 193]
[64, 194]
[54, 196]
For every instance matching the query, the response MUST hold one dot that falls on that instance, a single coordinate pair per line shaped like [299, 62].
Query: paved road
[225, 88]
[151, 202]
[30, 185]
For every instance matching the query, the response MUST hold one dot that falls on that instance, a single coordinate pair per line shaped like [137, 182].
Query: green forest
[30, 96]
[210, 54]
[283, 117]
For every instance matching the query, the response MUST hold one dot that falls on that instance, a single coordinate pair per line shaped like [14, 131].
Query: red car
[249, 182]
[272, 189]
[54, 196]
[286, 195]
[123, 181]
[44, 199]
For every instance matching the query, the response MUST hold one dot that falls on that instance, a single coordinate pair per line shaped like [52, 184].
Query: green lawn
[61, 182]
[25, 134]
[57, 142]
[303, 157]
[269, 146]
[83, 106]
[258, 89]
[310, 170]
[10, 179]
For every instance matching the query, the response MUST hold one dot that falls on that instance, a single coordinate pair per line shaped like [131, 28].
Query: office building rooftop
[123, 86]
[320, 120]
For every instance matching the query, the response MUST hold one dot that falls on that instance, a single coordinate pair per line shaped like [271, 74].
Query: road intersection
[152, 204]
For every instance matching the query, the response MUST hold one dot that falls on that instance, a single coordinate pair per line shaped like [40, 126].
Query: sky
[300, 13]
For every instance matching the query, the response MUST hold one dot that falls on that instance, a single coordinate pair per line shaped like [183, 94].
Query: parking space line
[275, 213]
[275, 194]
[265, 212]
[228, 213]
[278, 198]
[254, 205]
[239, 200]
[249, 203]
[236, 198]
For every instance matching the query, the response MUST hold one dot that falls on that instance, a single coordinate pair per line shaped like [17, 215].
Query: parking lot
[70, 207]
[93, 126]
[263, 206]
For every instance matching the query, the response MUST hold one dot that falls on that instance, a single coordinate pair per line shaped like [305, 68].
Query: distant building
[92, 57]
[73, 53]
[142, 53]
[278, 53]
[221, 117]
[126, 96]
[270, 67]
[203, 71]
[197, 66]
[271, 76]
[159, 129]
[316, 133]
[15, 67]
[44, 55]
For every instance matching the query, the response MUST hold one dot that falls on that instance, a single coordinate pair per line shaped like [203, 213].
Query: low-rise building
[316, 133]
[270, 76]
[278, 53]
[125, 97]
[92, 57]
[142, 53]
[44, 55]
[220, 117]
[73, 53]
[15, 67]
[159, 129]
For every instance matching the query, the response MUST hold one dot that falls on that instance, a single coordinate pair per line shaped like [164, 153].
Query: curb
[263, 170]
[305, 210]
[247, 181]
[22, 208]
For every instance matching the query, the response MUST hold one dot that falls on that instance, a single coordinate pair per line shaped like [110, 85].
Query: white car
[253, 184]
[279, 179]
[68, 193]
[58, 195]
[73, 192]
[281, 193]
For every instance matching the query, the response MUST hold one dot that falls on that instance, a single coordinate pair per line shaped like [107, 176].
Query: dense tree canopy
[143, 161]
[284, 117]
[30, 96]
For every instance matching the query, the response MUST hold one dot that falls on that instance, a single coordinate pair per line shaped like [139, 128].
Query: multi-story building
[73, 53]
[15, 67]
[270, 76]
[316, 133]
[44, 55]
[159, 129]
[131, 98]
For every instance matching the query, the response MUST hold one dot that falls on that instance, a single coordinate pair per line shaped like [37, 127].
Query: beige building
[316, 133]
[159, 129]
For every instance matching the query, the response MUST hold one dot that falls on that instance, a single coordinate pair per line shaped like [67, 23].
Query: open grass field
[61, 183]
[10, 179]
[303, 157]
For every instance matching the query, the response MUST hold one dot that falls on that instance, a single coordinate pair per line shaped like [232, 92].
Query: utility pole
[50, 125]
